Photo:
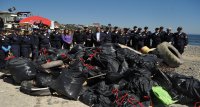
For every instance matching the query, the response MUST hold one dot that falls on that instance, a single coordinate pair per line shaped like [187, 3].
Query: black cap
[85, 27]
[139, 28]
[145, 27]
[179, 28]
[156, 28]
[161, 27]
[107, 28]
[135, 27]
[125, 29]
[115, 27]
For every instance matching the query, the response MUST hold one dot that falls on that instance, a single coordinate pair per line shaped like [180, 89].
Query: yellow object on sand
[146, 50]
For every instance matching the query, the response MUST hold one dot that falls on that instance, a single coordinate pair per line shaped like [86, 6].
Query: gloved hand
[6, 49]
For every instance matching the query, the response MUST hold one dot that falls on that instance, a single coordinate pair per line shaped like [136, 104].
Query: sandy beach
[10, 96]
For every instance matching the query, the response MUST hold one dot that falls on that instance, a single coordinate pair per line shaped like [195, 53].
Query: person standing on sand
[99, 37]
[147, 34]
[162, 33]
[67, 38]
[44, 40]
[114, 34]
[4, 49]
[1, 24]
[108, 35]
[124, 37]
[180, 40]
[56, 39]
[156, 38]
[79, 38]
[168, 35]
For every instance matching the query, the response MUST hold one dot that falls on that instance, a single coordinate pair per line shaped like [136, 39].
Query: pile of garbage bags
[103, 77]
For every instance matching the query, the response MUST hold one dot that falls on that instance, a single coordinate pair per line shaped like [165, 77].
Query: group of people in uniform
[28, 44]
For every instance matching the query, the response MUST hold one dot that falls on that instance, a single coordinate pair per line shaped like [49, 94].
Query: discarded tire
[170, 54]
[52, 64]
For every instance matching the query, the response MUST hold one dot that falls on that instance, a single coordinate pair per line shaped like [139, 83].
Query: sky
[123, 13]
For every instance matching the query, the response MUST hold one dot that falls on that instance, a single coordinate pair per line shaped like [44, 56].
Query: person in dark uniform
[156, 38]
[35, 44]
[135, 28]
[1, 24]
[44, 41]
[79, 38]
[108, 35]
[168, 36]
[147, 35]
[180, 40]
[124, 37]
[4, 49]
[26, 45]
[15, 41]
[142, 37]
[162, 33]
[56, 40]
[134, 38]
[89, 42]
[114, 35]
[99, 37]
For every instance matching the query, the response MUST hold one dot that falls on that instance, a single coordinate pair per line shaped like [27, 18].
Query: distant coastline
[194, 39]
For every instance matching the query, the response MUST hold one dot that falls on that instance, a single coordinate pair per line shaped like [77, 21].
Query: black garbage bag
[141, 86]
[92, 73]
[88, 97]
[123, 67]
[22, 69]
[62, 54]
[122, 84]
[103, 89]
[134, 61]
[150, 61]
[113, 77]
[106, 62]
[70, 82]
[123, 52]
[41, 59]
[103, 102]
[51, 51]
[79, 55]
[162, 79]
[186, 85]
[76, 49]
[131, 72]
[109, 49]
[113, 64]
[180, 97]
[44, 79]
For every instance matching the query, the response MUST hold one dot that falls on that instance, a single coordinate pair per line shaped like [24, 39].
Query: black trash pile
[102, 77]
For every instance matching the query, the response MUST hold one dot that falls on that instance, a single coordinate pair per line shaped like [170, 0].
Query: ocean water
[194, 39]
